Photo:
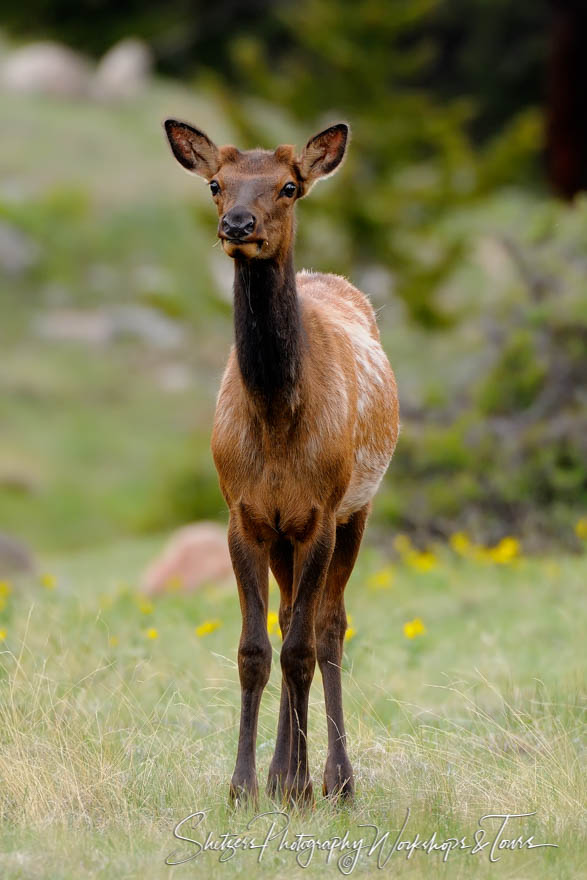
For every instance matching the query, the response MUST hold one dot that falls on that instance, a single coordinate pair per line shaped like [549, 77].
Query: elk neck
[268, 333]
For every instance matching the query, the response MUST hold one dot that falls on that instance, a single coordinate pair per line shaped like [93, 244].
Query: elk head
[255, 190]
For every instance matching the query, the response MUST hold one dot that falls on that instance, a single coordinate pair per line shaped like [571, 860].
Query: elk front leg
[250, 561]
[281, 560]
[298, 653]
[331, 625]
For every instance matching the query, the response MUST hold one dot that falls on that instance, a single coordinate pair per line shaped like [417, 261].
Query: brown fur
[306, 423]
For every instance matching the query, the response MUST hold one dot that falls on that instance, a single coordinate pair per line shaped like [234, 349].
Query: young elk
[306, 423]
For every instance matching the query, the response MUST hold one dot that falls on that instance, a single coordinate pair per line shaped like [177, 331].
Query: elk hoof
[338, 781]
[243, 790]
[276, 784]
[298, 790]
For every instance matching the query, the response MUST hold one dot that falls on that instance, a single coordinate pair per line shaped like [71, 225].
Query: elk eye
[214, 187]
[289, 190]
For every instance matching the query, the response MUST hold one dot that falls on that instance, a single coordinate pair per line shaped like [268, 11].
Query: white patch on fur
[369, 470]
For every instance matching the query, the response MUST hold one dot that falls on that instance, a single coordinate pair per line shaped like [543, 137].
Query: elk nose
[238, 223]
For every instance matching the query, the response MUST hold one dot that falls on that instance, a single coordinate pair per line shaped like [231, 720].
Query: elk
[305, 426]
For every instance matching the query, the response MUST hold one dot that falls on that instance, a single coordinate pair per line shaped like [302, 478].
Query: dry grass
[104, 747]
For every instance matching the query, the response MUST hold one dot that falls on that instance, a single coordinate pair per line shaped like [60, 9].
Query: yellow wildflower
[49, 581]
[460, 543]
[5, 588]
[207, 627]
[113, 641]
[402, 545]
[424, 561]
[414, 628]
[273, 623]
[581, 528]
[152, 633]
[174, 583]
[382, 579]
[145, 607]
[3, 634]
[350, 633]
[504, 552]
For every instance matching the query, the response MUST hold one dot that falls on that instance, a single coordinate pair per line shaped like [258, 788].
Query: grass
[110, 737]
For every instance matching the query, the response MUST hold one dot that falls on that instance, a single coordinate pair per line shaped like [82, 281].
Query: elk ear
[192, 148]
[323, 154]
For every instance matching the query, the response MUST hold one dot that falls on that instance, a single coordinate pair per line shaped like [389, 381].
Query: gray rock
[123, 72]
[14, 556]
[45, 68]
[74, 325]
[102, 326]
[18, 252]
[147, 324]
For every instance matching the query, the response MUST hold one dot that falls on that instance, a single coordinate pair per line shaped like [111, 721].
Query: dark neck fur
[268, 331]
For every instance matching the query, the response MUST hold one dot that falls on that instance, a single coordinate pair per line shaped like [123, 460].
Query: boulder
[194, 555]
[14, 556]
[123, 72]
[45, 68]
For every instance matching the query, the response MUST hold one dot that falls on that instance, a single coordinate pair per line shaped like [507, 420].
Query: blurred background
[460, 212]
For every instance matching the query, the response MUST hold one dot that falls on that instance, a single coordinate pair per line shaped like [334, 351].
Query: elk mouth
[239, 247]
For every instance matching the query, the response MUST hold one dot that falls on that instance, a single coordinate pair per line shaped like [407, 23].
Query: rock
[148, 324]
[18, 252]
[74, 325]
[45, 68]
[174, 377]
[124, 71]
[195, 554]
[101, 326]
[14, 556]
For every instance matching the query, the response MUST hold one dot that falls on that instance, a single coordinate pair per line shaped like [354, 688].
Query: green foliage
[508, 446]
[412, 158]
[516, 378]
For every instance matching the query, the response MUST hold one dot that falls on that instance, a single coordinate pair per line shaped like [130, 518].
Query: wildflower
[49, 581]
[350, 633]
[145, 607]
[3, 634]
[414, 628]
[504, 552]
[460, 543]
[174, 583]
[581, 528]
[273, 623]
[152, 633]
[424, 561]
[5, 588]
[113, 641]
[207, 627]
[402, 545]
[382, 579]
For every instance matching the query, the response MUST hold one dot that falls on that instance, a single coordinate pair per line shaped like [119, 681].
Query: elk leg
[298, 653]
[331, 624]
[251, 565]
[281, 560]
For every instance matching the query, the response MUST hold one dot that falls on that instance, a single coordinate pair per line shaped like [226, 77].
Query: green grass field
[118, 720]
